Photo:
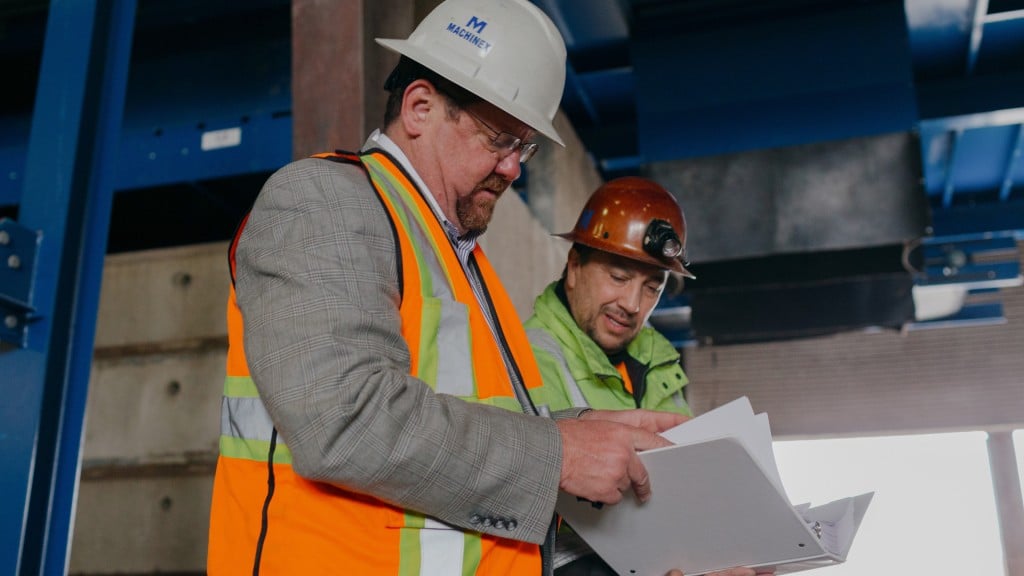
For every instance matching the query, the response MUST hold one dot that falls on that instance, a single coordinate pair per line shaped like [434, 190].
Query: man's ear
[572, 268]
[419, 99]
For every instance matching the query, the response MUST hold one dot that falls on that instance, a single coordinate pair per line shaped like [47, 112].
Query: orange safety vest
[266, 519]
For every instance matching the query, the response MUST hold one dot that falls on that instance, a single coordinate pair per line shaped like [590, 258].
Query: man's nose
[509, 166]
[629, 298]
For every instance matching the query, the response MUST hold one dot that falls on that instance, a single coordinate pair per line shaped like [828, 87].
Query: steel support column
[66, 198]
[338, 71]
[327, 76]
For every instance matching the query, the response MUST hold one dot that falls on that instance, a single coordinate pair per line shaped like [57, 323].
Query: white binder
[717, 503]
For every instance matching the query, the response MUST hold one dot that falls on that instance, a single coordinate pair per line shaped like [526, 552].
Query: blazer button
[511, 524]
[474, 519]
[499, 524]
[487, 522]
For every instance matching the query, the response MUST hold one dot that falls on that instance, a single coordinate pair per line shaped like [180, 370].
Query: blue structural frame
[66, 198]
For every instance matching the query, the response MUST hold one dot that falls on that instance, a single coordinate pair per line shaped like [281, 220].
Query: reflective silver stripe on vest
[453, 345]
[441, 549]
[245, 418]
[541, 339]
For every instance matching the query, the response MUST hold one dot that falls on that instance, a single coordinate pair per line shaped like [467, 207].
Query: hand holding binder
[717, 502]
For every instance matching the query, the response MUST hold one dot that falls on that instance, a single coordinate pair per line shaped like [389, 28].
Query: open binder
[717, 503]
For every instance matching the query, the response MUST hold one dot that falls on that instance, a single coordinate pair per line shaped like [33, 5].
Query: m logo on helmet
[470, 33]
[476, 24]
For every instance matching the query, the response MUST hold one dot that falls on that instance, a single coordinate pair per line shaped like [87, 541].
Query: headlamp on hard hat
[661, 241]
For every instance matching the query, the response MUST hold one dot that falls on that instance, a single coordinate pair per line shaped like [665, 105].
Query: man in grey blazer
[376, 418]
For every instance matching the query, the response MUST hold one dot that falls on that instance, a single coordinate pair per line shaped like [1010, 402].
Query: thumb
[639, 479]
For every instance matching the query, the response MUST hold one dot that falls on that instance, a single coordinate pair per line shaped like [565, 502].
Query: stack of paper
[718, 502]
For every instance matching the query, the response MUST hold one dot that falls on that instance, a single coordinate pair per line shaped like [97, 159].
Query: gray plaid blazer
[317, 283]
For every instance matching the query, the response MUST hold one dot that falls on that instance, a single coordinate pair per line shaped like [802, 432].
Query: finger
[662, 421]
[646, 441]
[639, 479]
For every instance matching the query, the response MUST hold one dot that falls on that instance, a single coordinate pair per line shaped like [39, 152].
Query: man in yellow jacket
[589, 329]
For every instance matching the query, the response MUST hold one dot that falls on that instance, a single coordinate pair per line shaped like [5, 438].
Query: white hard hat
[507, 52]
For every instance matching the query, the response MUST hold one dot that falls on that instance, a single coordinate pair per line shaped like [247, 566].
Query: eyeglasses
[504, 143]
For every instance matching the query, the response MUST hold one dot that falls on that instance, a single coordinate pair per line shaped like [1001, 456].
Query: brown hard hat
[635, 218]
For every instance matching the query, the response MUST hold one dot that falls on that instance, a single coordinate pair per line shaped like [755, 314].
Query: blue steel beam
[17, 269]
[66, 197]
[977, 30]
[176, 154]
[954, 150]
[1011, 165]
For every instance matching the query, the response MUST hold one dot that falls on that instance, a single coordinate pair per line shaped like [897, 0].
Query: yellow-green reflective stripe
[506, 402]
[240, 387]
[409, 552]
[254, 450]
[503, 402]
[472, 552]
[379, 173]
[430, 322]
[385, 183]
[426, 279]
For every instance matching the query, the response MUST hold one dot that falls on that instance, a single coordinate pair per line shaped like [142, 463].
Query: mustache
[494, 182]
[621, 316]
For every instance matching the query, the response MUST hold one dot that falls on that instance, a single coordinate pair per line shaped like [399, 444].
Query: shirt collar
[381, 140]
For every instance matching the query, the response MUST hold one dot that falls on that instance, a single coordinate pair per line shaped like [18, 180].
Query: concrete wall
[153, 413]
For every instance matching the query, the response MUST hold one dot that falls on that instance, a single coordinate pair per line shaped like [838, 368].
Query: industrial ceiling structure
[663, 86]
[650, 84]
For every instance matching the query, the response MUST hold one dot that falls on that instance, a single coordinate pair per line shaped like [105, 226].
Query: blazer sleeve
[316, 280]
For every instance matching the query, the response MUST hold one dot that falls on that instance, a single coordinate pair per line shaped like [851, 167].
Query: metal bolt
[13, 261]
[5, 238]
[957, 259]
[11, 321]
